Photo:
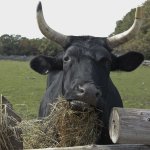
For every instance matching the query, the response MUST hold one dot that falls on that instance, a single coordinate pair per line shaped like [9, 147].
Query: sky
[70, 17]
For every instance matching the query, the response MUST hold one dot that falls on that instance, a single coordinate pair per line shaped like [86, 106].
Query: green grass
[24, 88]
[21, 86]
[134, 87]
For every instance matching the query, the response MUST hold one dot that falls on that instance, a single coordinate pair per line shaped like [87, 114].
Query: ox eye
[66, 58]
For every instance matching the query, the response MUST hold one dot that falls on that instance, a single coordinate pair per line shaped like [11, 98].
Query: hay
[62, 128]
[8, 133]
[4, 134]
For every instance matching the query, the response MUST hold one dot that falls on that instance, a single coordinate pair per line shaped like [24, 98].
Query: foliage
[17, 45]
[141, 42]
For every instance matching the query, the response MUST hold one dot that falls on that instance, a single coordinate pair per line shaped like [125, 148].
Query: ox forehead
[81, 72]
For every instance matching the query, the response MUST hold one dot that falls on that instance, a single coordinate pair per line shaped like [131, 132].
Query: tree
[141, 42]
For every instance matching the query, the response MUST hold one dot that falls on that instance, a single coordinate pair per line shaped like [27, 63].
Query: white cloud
[71, 17]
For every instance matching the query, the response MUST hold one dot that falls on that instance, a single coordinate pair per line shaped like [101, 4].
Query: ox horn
[121, 38]
[48, 32]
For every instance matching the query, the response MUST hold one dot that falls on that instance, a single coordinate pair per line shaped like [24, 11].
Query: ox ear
[127, 62]
[44, 65]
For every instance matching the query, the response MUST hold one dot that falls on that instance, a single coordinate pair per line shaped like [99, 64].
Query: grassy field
[24, 88]
[134, 87]
[21, 86]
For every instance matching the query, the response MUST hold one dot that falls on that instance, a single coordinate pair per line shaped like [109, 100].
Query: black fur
[82, 73]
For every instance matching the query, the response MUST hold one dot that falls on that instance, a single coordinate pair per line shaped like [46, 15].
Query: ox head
[86, 62]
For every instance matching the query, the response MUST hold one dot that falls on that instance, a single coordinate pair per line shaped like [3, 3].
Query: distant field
[21, 85]
[24, 88]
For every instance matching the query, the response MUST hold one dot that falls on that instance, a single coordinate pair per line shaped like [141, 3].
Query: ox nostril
[98, 94]
[81, 90]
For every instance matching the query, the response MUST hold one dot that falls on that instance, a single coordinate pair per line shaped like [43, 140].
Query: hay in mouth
[63, 127]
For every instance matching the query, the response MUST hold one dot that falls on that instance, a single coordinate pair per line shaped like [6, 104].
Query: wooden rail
[130, 126]
[103, 147]
[9, 119]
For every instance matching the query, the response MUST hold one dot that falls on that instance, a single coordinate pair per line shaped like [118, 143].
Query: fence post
[130, 126]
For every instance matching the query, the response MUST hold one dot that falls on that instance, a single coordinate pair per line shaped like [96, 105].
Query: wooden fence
[8, 122]
[103, 147]
[130, 126]
[129, 129]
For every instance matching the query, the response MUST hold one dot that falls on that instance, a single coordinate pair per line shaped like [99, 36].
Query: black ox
[82, 71]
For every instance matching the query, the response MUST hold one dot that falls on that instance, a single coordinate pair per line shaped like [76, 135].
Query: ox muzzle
[83, 96]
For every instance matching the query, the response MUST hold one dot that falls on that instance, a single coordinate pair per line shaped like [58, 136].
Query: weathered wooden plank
[7, 108]
[130, 126]
[8, 120]
[103, 147]
[6, 102]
